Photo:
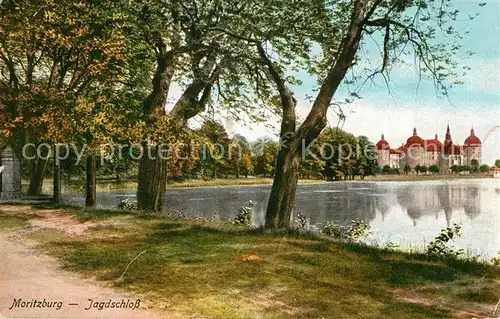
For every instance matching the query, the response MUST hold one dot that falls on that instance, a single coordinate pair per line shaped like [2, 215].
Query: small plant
[176, 214]
[496, 260]
[244, 217]
[302, 222]
[127, 204]
[439, 248]
[357, 230]
[391, 246]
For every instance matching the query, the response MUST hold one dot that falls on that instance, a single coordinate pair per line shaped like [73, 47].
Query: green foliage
[417, 169]
[434, 169]
[497, 163]
[391, 246]
[439, 246]
[265, 153]
[484, 168]
[244, 216]
[407, 169]
[345, 156]
[496, 260]
[386, 169]
[474, 162]
[357, 230]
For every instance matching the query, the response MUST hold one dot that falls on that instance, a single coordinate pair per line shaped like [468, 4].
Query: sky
[411, 103]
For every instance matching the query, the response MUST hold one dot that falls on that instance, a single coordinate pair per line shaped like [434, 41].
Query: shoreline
[200, 256]
[113, 186]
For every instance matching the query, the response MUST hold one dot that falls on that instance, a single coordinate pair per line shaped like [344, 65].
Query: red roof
[396, 151]
[415, 140]
[433, 145]
[402, 148]
[382, 144]
[472, 140]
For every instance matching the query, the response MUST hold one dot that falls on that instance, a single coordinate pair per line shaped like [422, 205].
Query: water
[407, 213]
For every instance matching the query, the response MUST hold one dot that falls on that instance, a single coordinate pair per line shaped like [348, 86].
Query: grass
[107, 185]
[12, 222]
[217, 270]
[411, 178]
[112, 185]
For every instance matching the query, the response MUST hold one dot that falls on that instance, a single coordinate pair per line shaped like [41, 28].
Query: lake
[407, 213]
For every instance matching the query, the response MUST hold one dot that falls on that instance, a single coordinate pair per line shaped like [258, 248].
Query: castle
[418, 151]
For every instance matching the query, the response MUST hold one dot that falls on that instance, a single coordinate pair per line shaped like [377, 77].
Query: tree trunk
[282, 198]
[152, 181]
[91, 182]
[38, 167]
[152, 176]
[284, 187]
[56, 191]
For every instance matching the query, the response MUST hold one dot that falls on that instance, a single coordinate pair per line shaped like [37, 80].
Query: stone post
[11, 176]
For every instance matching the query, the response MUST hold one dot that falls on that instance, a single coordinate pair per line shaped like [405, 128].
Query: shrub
[302, 222]
[357, 230]
[438, 247]
[127, 204]
[391, 246]
[244, 217]
[484, 168]
[434, 169]
[496, 260]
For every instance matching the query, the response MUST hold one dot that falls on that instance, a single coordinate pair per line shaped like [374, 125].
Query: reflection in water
[405, 212]
[434, 199]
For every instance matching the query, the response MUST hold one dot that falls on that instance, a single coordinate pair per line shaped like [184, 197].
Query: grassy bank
[216, 270]
[106, 186]
[410, 178]
[111, 185]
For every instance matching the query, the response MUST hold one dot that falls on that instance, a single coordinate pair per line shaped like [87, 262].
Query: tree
[474, 162]
[386, 169]
[407, 169]
[423, 169]
[338, 150]
[434, 169]
[497, 163]
[215, 153]
[366, 158]
[53, 55]
[189, 48]
[265, 151]
[418, 169]
[340, 30]
[474, 168]
[484, 168]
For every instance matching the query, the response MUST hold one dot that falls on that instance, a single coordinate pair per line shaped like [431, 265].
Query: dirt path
[27, 275]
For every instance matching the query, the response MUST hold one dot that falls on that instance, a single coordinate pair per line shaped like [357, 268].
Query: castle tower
[473, 148]
[383, 152]
[415, 151]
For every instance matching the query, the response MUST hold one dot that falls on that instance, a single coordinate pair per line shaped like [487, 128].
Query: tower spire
[414, 131]
[472, 131]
